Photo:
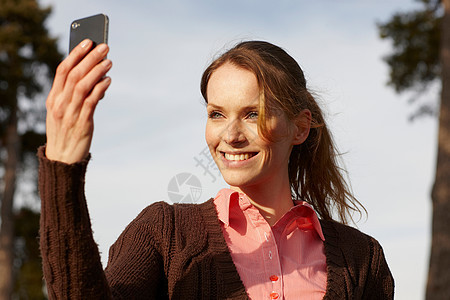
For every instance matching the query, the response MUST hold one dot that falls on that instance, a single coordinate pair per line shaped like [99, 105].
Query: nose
[234, 133]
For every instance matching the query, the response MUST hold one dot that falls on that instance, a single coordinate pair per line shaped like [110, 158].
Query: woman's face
[243, 156]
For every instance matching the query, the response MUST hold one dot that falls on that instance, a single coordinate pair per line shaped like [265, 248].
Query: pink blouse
[286, 261]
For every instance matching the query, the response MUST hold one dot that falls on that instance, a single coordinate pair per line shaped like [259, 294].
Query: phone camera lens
[75, 25]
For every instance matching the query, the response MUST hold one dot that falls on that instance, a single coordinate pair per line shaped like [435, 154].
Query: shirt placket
[271, 259]
[273, 265]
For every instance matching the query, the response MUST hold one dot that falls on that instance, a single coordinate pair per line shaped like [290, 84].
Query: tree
[28, 283]
[28, 59]
[421, 41]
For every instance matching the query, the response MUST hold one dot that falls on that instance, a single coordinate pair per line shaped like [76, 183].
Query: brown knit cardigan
[174, 251]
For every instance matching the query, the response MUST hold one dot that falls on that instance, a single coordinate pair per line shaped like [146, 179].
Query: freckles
[266, 156]
[213, 135]
[279, 135]
[210, 141]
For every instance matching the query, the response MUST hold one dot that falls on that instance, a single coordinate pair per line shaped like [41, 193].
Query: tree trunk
[7, 219]
[438, 286]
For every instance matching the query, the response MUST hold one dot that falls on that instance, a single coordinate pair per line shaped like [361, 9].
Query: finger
[85, 66]
[64, 68]
[82, 79]
[70, 62]
[88, 108]
[85, 87]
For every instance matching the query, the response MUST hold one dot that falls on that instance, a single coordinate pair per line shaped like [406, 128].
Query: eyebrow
[251, 106]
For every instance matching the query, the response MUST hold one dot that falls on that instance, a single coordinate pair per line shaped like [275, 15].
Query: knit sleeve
[70, 256]
[135, 266]
[380, 284]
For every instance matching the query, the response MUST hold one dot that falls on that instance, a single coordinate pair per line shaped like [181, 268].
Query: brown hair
[314, 173]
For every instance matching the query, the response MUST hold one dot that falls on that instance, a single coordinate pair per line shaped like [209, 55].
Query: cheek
[281, 133]
[280, 129]
[210, 135]
[279, 147]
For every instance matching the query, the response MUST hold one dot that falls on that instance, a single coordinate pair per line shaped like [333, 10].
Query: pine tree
[421, 42]
[28, 59]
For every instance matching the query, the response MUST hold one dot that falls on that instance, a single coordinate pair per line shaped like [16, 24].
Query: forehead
[232, 85]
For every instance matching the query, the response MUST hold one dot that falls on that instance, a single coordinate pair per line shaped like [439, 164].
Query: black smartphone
[94, 28]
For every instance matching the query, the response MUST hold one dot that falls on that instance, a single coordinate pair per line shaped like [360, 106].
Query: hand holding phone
[78, 86]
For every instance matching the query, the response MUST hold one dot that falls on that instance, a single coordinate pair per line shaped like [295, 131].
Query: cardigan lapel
[231, 286]
[338, 279]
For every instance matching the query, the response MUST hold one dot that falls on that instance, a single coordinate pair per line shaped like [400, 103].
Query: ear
[302, 126]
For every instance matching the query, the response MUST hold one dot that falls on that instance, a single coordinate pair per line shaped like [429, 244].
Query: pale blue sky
[150, 126]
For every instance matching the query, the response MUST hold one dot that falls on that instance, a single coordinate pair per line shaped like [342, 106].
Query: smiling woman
[270, 235]
[245, 159]
[271, 83]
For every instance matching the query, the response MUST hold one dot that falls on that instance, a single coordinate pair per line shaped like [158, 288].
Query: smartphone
[94, 28]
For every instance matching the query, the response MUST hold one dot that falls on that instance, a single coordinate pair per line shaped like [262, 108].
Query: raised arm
[71, 261]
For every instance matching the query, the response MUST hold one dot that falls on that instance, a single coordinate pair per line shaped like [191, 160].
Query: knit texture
[174, 251]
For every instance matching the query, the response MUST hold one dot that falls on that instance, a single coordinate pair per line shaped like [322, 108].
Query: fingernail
[102, 48]
[107, 80]
[85, 43]
[107, 64]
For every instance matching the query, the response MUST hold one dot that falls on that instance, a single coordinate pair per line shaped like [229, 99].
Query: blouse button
[274, 295]
[273, 278]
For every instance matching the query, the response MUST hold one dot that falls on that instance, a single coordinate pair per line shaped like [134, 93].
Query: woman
[261, 238]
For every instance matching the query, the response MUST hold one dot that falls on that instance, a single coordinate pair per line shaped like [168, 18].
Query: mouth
[238, 156]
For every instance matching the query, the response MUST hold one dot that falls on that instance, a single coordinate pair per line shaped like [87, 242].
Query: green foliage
[415, 37]
[31, 140]
[28, 55]
[29, 283]
[28, 60]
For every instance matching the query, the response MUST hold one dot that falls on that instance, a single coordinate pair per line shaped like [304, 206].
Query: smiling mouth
[239, 157]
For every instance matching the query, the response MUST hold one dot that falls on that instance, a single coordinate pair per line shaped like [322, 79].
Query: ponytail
[314, 172]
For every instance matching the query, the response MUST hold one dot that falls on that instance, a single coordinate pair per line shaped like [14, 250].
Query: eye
[214, 115]
[252, 115]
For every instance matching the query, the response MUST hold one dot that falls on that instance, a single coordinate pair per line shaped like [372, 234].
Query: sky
[149, 128]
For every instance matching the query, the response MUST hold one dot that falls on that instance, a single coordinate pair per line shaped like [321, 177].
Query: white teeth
[237, 157]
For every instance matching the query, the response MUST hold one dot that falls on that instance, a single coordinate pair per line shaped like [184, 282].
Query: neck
[272, 199]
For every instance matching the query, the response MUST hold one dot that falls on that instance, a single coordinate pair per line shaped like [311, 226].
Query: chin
[239, 180]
